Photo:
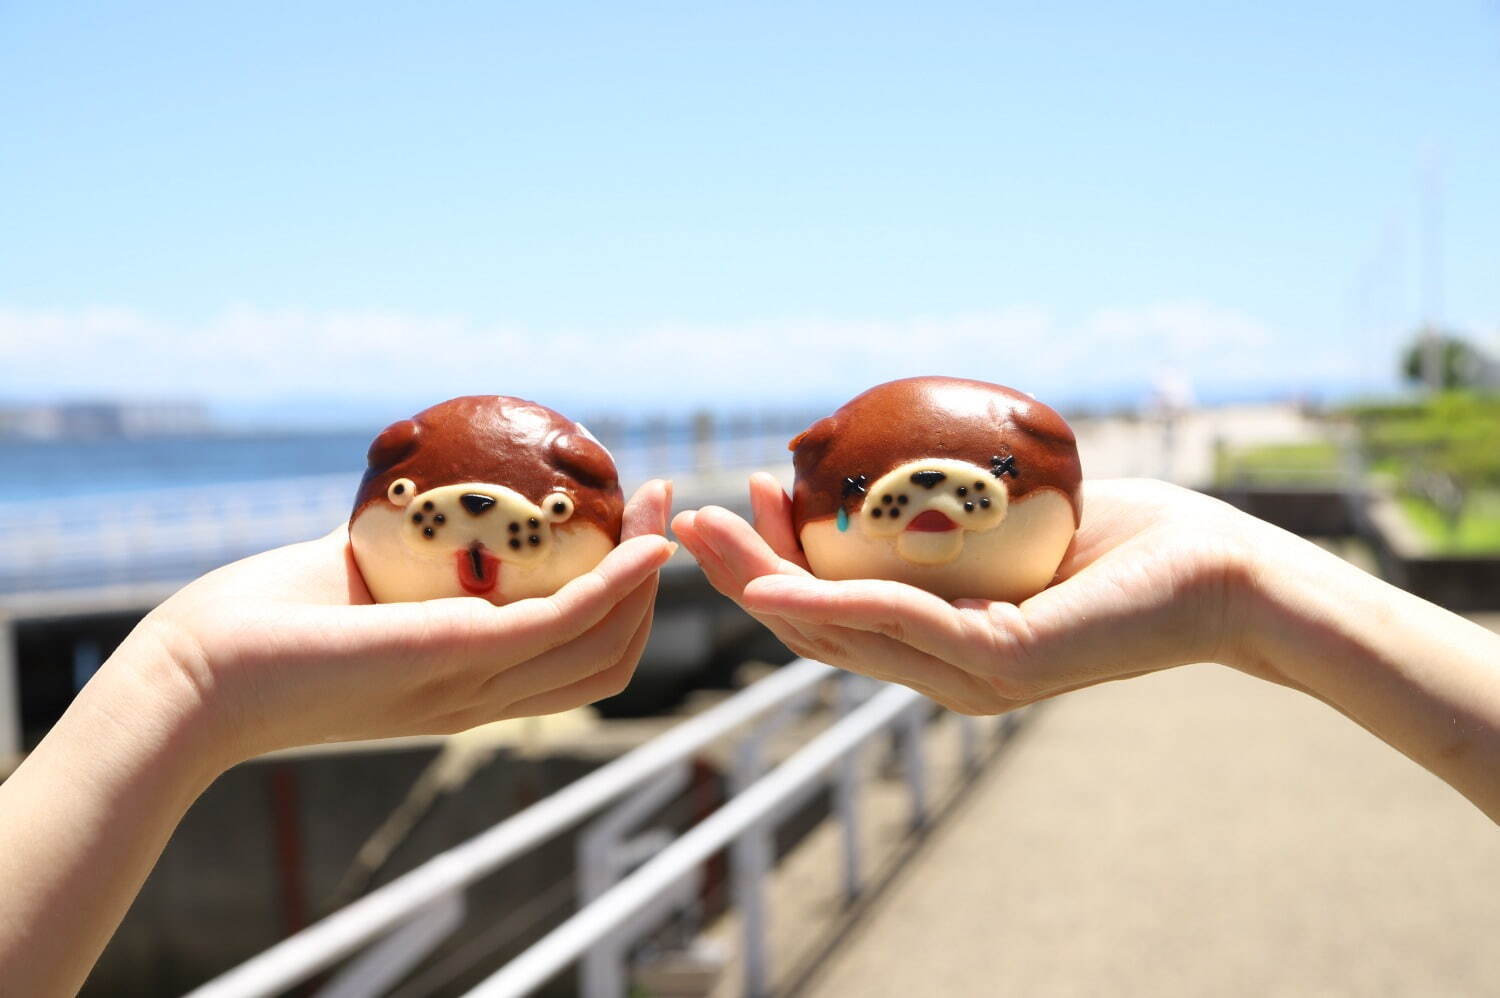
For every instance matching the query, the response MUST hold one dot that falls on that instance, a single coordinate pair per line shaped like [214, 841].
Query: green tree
[1460, 363]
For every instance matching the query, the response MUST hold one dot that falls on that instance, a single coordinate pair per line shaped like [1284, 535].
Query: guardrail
[161, 535]
[176, 533]
[621, 896]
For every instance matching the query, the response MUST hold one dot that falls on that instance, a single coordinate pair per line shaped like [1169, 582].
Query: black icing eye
[439, 518]
[427, 532]
[557, 507]
[876, 512]
[398, 491]
[978, 486]
[416, 518]
[901, 499]
[985, 502]
[963, 491]
[1002, 466]
[428, 505]
[885, 500]
[854, 485]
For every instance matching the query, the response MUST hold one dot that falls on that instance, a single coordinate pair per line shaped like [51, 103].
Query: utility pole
[1432, 272]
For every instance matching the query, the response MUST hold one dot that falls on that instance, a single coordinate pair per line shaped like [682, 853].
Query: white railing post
[628, 898]
[600, 861]
[968, 742]
[851, 691]
[752, 855]
[913, 761]
[11, 736]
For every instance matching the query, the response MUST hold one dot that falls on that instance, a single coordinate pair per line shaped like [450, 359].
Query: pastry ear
[815, 439]
[394, 443]
[584, 458]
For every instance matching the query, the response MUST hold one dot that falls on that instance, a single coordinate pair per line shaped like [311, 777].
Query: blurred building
[91, 420]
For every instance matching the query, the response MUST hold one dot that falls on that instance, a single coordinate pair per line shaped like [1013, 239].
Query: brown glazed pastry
[962, 488]
[485, 496]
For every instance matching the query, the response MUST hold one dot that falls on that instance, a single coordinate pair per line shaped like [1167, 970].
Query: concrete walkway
[1191, 833]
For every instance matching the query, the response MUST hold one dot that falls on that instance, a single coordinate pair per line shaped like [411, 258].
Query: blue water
[49, 469]
[45, 469]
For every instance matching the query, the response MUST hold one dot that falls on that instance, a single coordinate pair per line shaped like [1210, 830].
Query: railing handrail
[612, 909]
[324, 943]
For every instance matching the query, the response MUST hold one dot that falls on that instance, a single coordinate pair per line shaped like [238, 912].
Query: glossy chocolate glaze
[1027, 445]
[500, 440]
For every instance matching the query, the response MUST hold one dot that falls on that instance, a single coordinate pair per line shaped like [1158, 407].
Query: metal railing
[627, 886]
[320, 946]
[171, 534]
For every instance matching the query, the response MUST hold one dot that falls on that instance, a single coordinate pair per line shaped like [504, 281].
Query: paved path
[1191, 833]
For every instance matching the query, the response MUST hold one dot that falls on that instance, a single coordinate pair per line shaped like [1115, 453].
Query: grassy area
[1477, 531]
[1312, 463]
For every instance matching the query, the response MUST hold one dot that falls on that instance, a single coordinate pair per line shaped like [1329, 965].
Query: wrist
[152, 691]
[1290, 598]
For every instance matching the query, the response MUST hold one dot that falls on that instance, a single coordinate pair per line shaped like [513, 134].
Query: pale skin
[1157, 576]
[279, 650]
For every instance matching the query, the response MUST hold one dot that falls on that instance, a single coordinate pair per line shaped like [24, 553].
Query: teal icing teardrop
[843, 519]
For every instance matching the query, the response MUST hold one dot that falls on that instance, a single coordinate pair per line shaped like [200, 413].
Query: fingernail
[673, 546]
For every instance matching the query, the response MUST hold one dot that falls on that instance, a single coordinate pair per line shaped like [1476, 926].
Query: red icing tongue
[931, 521]
[478, 569]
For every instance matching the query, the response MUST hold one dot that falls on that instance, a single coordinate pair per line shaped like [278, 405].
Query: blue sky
[357, 205]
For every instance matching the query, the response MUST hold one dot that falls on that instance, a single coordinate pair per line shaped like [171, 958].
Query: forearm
[85, 817]
[1422, 679]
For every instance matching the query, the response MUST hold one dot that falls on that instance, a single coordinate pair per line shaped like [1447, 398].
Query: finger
[606, 682]
[744, 552]
[529, 627]
[646, 512]
[880, 657]
[684, 528]
[719, 575]
[772, 509]
[596, 649]
[907, 615]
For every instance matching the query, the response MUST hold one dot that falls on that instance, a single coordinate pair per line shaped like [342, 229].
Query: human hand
[287, 648]
[1153, 579]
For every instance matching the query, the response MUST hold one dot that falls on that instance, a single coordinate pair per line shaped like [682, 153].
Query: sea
[53, 469]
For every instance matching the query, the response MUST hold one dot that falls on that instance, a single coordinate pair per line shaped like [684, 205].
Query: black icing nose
[476, 502]
[927, 479]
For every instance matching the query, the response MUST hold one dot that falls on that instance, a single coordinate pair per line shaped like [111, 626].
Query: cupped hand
[1152, 580]
[287, 647]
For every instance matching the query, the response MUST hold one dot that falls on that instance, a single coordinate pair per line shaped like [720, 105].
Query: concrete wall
[1462, 584]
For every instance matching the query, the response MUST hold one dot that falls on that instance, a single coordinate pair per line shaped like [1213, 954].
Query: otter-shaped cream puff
[962, 488]
[483, 496]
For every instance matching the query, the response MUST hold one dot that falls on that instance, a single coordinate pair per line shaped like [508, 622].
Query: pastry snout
[927, 507]
[479, 517]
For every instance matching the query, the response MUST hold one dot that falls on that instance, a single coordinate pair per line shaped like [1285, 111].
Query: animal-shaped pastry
[485, 496]
[963, 488]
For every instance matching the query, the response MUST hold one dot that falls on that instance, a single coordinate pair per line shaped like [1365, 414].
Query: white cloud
[245, 353]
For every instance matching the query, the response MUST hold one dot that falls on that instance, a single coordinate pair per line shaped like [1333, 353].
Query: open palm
[1146, 585]
[288, 648]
